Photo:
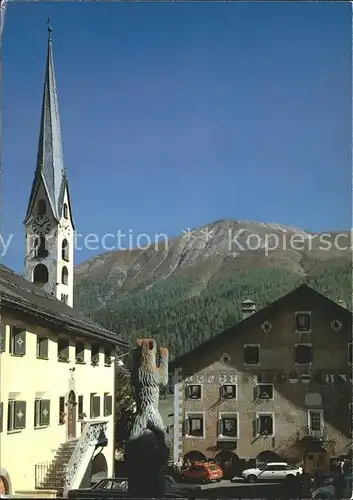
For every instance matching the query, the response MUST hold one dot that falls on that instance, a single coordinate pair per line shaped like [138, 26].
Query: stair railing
[93, 433]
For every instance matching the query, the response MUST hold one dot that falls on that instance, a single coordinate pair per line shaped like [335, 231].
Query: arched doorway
[4, 487]
[229, 462]
[194, 456]
[71, 415]
[267, 456]
[99, 468]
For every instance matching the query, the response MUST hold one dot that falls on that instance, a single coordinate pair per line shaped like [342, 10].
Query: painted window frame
[308, 344]
[322, 419]
[39, 354]
[193, 399]
[230, 415]
[37, 413]
[235, 398]
[195, 414]
[257, 392]
[265, 414]
[12, 429]
[297, 313]
[259, 348]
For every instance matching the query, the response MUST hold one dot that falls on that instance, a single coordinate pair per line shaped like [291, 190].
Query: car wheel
[219, 480]
[252, 478]
[290, 477]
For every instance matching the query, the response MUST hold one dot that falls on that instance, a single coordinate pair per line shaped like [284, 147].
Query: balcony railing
[314, 434]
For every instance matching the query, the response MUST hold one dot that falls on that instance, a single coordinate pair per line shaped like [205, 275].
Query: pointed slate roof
[50, 161]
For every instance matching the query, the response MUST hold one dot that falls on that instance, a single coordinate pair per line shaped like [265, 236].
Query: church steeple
[48, 221]
[50, 160]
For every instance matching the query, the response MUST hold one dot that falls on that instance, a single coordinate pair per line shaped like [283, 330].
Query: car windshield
[213, 467]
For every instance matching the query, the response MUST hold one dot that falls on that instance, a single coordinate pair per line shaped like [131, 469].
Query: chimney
[342, 303]
[248, 308]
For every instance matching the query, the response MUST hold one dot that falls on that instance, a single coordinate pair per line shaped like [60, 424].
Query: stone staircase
[52, 476]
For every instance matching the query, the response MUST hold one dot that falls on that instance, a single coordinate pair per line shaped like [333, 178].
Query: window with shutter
[10, 415]
[44, 418]
[1, 417]
[107, 356]
[95, 406]
[265, 424]
[95, 354]
[80, 407]
[20, 415]
[17, 341]
[80, 352]
[108, 404]
[42, 347]
[2, 338]
[63, 350]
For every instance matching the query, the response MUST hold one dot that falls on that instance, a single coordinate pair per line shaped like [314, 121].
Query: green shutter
[2, 338]
[44, 418]
[20, 414]
[96, 406]
[1, 417]
[43, 348]
[19, 341]
[108, 405]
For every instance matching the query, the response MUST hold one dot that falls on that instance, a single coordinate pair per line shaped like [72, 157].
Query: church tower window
[40, 247]
[40, 274]
[66, 211]
[41, 207]
[65, 250]
[65, 276]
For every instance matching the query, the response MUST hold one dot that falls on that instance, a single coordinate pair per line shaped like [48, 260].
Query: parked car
[272, 471]
[327, 490]
[118, 487]
[202, 472]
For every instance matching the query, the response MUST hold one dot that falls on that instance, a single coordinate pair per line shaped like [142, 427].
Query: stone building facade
[275, 386]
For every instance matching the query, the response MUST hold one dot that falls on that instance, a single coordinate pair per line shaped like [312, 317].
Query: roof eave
[90, 331]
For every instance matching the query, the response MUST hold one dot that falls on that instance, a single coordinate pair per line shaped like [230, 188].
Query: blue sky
[174, 115]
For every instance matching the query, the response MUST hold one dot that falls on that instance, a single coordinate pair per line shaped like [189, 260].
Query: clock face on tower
[41, 225]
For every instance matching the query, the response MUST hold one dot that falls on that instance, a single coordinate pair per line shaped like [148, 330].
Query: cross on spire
[50, 29]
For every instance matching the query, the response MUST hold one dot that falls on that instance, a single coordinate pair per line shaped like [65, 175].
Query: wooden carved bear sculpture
[146, 452]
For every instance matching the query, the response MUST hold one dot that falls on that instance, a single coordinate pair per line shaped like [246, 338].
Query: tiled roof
[16, 293]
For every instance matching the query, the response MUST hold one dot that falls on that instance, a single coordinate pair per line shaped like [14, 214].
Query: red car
[204, 472]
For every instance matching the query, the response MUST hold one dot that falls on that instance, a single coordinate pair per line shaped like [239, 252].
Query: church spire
[50, 161]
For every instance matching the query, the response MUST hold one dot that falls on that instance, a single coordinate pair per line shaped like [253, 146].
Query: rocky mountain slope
[167, 287]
